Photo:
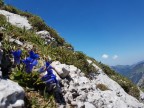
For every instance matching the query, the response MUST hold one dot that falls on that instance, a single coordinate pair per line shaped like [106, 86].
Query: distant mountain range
[122, 69]
[134, 72]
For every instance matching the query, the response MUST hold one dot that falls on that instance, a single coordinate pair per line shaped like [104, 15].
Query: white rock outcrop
[46, 36]
[80, 92]
[63, 70]
[17, 20]
[11, 94]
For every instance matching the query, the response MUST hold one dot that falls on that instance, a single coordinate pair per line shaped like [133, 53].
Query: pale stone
[17, 20]
[11, 94]
[89, 105]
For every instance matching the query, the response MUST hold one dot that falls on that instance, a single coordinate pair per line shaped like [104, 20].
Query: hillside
[122, 69]
[84, 82]
[134, 72]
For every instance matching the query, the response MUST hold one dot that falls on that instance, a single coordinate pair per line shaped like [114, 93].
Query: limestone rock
[83, 91]
[11, 94]
[17, 20]
[89, 105]
[61, 69]
[46, 36]
[16, 41]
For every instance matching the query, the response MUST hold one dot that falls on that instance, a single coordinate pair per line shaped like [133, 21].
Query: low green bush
[2, 20]
[37, 23]
[70, 57]
[10, 9]
[102, 87]
[1, 3]
[27, 80]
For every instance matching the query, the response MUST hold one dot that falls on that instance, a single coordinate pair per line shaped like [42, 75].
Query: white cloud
[115, 57]
[105, 56]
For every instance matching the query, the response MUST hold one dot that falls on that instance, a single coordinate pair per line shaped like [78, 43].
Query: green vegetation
[1, 3]
[28, 80]
[36, 97]
[37, 23]
[3, 19]
[102, 87]
[69, 57]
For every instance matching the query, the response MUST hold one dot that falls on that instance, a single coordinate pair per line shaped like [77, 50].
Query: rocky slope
[79, 91]
[11, 94]
[95, 89]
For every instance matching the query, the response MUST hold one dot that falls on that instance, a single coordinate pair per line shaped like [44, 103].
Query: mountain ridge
[133, 72]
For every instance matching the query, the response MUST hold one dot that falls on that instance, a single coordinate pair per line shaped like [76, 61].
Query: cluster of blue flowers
[31, 61]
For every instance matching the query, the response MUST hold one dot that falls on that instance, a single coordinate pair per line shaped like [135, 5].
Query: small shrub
[134, 91]
[37, 23]
[34, 99]
[102, 87]
[11, 9]
[69, 46]
[28, 80]
[1, 3]
[2, 20]
[70, 57]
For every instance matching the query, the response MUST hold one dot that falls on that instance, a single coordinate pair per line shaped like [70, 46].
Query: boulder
[80, 105]
[89, 61]
[28, 46]
[11, 94]
[16, 41]
[17, 20]
[89, 105]
[57, 76]
[2, 28]
[62, 69]
[44, 34]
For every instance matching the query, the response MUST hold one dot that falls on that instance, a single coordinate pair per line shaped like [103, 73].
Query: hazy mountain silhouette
[134, 72]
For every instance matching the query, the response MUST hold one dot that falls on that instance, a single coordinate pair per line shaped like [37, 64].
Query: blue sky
[111, 31]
